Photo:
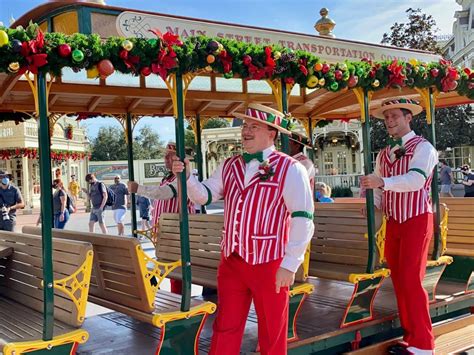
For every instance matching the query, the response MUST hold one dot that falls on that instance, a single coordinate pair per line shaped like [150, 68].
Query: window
[342, 162]
[328, 163]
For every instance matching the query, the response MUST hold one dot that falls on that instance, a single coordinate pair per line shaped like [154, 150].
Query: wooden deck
[115, 333]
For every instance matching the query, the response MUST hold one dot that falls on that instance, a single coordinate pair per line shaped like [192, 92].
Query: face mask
[5, 181]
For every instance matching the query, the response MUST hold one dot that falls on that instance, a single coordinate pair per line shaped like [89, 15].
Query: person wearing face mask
[10, 201]
[60, 212]
[468, 181]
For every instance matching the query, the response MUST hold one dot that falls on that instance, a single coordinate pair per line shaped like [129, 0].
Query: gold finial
[325, 25]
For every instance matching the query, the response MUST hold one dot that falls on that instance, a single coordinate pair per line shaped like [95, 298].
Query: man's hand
[61, 217]
[178, 166]
[371, 181]
[132, 187]
[85, 190]
[284, 278]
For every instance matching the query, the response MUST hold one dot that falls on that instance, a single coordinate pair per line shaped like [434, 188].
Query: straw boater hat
[401, 102]
[299, 138]
[171, 147]
[267, 115]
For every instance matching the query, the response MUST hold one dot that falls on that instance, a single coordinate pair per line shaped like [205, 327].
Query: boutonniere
[265, 170]
[400, 152]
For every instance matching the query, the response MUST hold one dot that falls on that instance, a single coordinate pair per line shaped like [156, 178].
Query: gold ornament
[93, 72]
[322, 81]
[13, 67]
[376, 83]
[4, 40]
[277, 55]
[127, 45]
[208, 69]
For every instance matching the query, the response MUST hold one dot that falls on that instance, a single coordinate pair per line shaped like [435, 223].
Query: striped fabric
[255, 217]
[167, 206]
[267, 117]
[404, 205]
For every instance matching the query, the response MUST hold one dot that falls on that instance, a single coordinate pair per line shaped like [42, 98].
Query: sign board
[155, 170]
[135, 24]
[109, 171]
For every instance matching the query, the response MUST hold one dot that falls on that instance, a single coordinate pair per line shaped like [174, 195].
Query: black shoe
[398, 349]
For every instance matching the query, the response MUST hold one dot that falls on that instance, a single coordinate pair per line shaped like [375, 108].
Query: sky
[361, 20]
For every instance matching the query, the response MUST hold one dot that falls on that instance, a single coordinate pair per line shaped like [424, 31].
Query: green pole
[284, 104]
[46, 209]
[131, 171]
[434, 182]
[183, 211]
[369, 193]
[199, 159]
[310, 138]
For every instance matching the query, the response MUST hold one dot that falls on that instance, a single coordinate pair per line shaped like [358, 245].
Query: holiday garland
[29, 49]
[32, 153]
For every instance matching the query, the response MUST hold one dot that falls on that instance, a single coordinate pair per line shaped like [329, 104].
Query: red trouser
[406, 250]
[238, 284]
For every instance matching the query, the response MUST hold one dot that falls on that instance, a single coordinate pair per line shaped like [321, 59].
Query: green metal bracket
[131, 170]
[431, 279]
[285, 147]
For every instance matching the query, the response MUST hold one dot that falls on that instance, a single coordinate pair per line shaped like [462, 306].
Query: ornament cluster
[32, 153]
[23, 50]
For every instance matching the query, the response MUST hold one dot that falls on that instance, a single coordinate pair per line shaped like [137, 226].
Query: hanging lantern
[105, 68]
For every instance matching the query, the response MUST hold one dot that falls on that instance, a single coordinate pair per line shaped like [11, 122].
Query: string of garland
[29, 49]
[32, 153]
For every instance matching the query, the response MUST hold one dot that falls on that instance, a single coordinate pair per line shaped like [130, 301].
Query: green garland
[167, 54]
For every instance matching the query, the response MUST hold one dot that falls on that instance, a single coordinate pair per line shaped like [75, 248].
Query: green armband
[303, 214]
[175, 193]
[209, 195]
[419, 171]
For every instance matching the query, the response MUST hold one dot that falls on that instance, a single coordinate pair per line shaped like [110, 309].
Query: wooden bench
[127, 280]
[339, 251]
[21, 294]
[460, 240]
[205, 233]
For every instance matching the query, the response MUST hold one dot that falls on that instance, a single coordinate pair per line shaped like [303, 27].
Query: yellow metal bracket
[53, 119]
[306, 288]
[276, 87]
[307, 255]
[34, 89]
[443, 226]
[442, 260]
[380, 239]
[151, 234]
[171, 84]
[160, 320]
[355, 278]
[192, 123]
[359, 93]
[122, 119]
[425, 95]
[79, 336]
[158, 270]
[78, 282]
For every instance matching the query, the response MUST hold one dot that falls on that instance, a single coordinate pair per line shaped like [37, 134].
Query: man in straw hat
[268, 222]
[165, 196]
[297, 142]
[402, 184]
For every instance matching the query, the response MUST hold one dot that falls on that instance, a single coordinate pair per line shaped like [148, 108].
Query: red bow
[30, 50]
[396, 77]
[166, 58]
[226, 61]
[129, 60]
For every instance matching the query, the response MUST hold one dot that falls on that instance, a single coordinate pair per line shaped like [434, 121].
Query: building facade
[18, 154]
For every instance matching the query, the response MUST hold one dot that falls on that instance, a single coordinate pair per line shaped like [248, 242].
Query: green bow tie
[249, 157]
[393, 142]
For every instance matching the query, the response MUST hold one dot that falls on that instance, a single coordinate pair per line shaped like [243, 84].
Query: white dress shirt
[164, 192]
[424, 158]
[296, 194]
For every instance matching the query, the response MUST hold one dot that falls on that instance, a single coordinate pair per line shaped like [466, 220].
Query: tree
[453, 126]
[110, 144]
[418, 33]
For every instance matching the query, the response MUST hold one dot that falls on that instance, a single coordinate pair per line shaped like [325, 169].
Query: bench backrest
[460, 239]
[339, 234]
[205, 232]
[116, 272]
[21, 273]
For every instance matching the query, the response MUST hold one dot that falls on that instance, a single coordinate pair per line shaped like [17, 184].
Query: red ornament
[246, 59]
[434, 72]
[325, 68]
[338, 74]
[64, 50]
[145, 71]
[353, 80]
[105, 68]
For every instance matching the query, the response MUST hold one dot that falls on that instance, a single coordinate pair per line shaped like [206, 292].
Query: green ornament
[421, 69]
[229, 75]
[152, 42]
[334, 86]
[77, 55]
[360, 72]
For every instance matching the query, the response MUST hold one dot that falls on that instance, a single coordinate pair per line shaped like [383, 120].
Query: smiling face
[256, 136]
[397, 122]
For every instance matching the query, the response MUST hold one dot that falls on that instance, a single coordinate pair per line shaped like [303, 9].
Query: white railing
[348, 180]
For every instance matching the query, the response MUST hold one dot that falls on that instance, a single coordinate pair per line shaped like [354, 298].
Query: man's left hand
[371, 181]
[284, 278]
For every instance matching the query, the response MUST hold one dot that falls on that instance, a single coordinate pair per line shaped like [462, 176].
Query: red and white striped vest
[404, 205]
[168, 206]
[256, 220]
